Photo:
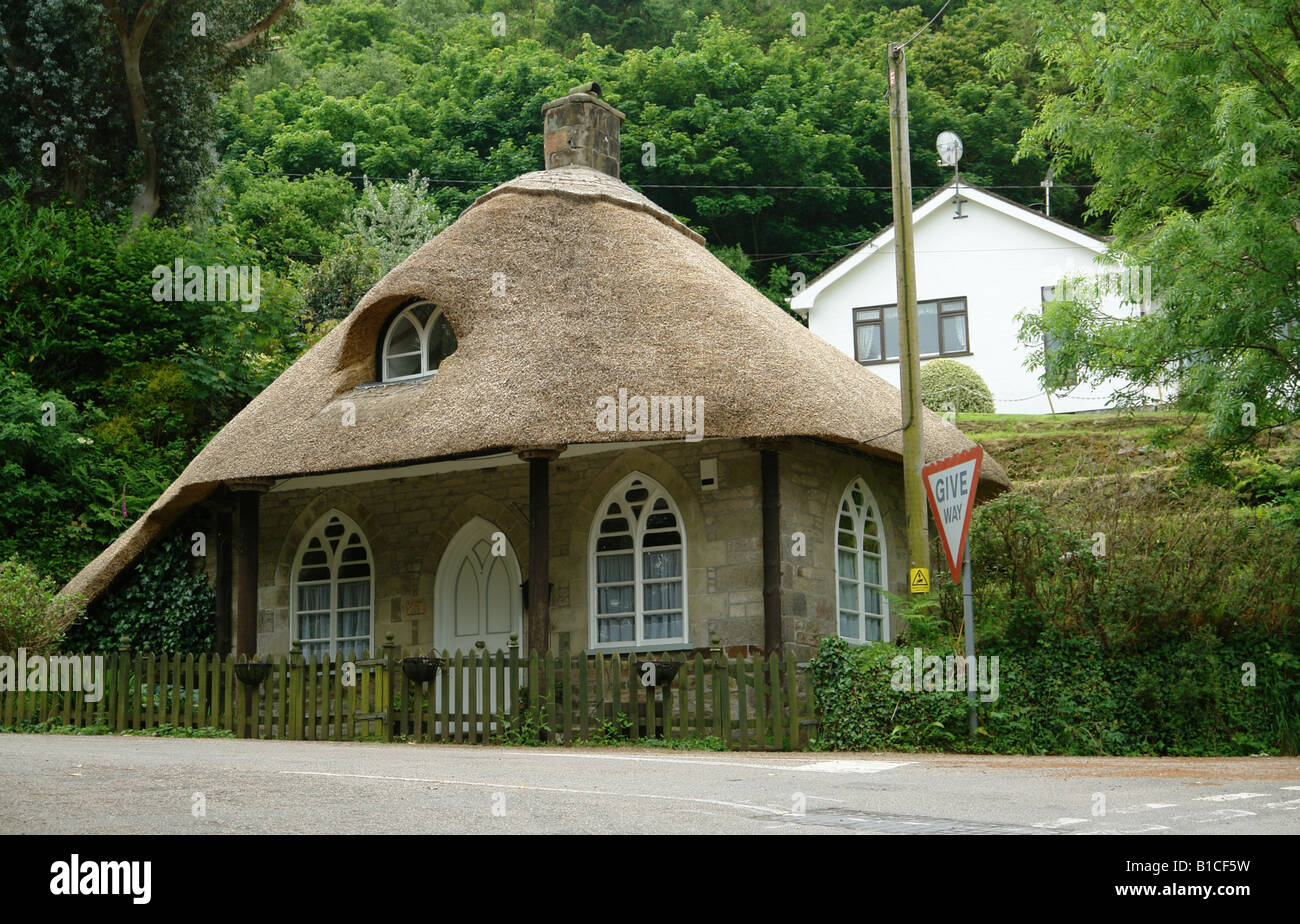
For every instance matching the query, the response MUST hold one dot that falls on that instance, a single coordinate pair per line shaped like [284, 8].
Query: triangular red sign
[950, 484]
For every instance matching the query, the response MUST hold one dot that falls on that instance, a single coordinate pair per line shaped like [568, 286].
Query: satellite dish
[949, 148]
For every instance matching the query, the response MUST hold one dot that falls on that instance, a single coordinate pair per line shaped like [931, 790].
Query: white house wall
[999, 264]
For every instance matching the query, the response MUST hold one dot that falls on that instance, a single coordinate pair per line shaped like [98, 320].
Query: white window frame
[422, 332]
[318, 531]
[859, 521]
[615, 495]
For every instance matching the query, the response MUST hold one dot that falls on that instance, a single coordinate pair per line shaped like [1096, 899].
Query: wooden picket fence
[753, 703]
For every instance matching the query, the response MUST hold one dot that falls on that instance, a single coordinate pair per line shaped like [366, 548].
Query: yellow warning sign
[920, 580]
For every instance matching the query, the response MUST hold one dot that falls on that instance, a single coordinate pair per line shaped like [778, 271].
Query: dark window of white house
[941, 330]
[1057, 378]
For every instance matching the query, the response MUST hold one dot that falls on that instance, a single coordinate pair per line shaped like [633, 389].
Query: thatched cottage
[561, 417]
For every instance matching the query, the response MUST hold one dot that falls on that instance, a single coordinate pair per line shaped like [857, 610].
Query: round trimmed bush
[948, 381]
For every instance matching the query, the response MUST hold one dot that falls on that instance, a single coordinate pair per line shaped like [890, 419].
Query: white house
[979, 262]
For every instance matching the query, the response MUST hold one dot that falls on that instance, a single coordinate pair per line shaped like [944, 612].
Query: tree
[400, 222]
[106, 390]
[1188, 112]
[383, 230]
[726, 105]
[125, 88]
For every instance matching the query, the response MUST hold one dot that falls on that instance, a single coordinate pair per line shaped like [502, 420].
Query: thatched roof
[602, 290]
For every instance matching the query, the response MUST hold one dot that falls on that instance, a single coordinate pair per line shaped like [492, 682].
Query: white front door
[477, 591]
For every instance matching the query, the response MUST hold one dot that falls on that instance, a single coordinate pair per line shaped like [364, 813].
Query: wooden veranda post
[249, 495]
[224, 541]
[539, 546]
[769, 465]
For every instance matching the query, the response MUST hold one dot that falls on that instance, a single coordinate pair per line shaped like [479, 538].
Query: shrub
[165, 604]
[946, 381]
[1129, 567]
[1190, 694]
[861, 709]
[31, 616]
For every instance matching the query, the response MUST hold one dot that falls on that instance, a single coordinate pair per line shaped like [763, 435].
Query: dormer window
[418, 339]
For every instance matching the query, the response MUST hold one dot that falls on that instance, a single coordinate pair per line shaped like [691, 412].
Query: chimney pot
[581, 130]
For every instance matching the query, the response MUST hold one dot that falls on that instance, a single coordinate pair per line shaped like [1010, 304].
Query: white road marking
[1145, 807]
[1060, 823]
[1289, 805]
[1219, 815]
[819, 766]
[577, 792]
[848, 766]
[1291, 787]
[1231, 796]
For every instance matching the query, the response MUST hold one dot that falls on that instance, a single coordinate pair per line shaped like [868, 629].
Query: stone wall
[813, 480]
[409, 523]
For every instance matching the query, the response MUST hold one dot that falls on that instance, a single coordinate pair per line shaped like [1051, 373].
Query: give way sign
[950, 484]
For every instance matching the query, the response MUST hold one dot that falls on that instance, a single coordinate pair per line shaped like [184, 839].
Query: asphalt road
[56, 784]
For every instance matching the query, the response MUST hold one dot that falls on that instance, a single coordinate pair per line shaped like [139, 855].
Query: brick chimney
[581, 130]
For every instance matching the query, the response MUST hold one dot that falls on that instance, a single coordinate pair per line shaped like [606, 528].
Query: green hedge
[1066, 695]
[1121, 616]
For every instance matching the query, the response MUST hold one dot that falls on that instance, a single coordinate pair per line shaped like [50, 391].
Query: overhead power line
[831, 186]
[928, 24]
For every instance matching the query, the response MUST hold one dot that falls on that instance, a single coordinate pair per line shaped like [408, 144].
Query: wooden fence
[753, 703]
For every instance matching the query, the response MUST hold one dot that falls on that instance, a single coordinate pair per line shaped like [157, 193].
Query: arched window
[418, 339]
[638, 567]
[860, 567]
[333, 596]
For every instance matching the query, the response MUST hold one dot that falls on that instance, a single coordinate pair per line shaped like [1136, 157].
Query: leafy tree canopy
[1189, 114]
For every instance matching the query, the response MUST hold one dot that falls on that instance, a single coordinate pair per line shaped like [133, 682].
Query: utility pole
[909, 359]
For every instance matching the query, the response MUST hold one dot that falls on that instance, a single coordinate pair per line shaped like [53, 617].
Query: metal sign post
[968, 621]
[950, 485]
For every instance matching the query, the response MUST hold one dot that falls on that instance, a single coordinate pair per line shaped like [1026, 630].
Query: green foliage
[622, 24]
[31, 616]
[1275, 488]
[707, 743]
[611, 732]
[294, 219]
[398, 222]
[1127, 568]
[54, 727]
[860, 709]
[332, 288]
[946, 381]
[165, 604]
[1201, 188]
[1064, 694]
[1128, 618]
[167, 730]
[527, 727]
[728, 95]
[137, 386]
[69, 83]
